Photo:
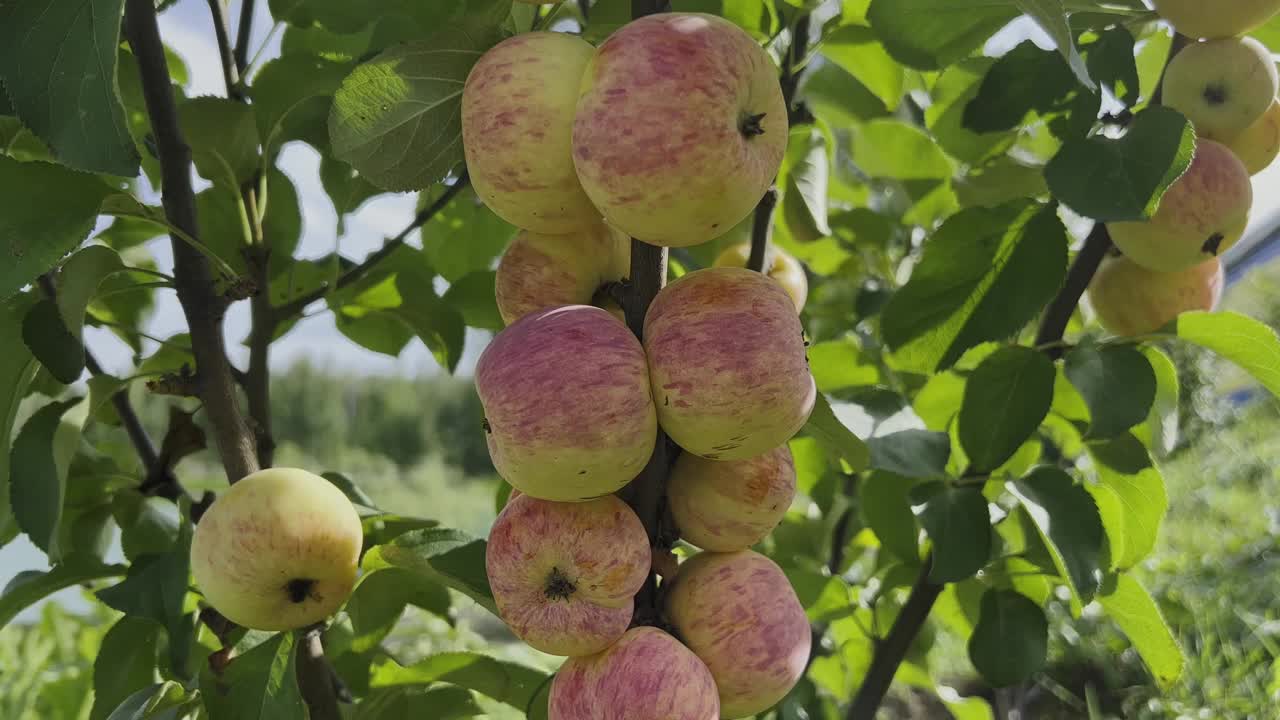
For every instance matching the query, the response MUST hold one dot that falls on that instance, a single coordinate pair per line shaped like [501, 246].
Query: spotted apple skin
[727, 505]
[1131, 300]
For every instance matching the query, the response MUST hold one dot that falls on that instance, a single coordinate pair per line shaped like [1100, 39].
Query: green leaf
[37, 492]
[889, 148]
[1010, 643]
[261, 684]
[414, 701]
[807, 171]
[984, 275]
[911, 453]
[162, 701]
[287, 84]
[464, 237]
[1052, 18]
[1112, 62]
[223, 139]
[54, 346]
[931, 34]
[1005, 400]
[58, 64]
[859, 52]
[951, 93]
[78, 282]
[378, 602]
[45, 212]
[125, 664]
[397, 118]
[448, 556]
[1133, 609]
[1131, 496]
[885, 504]
[1117, 384]
[472, 295]
[1024, 80]
[1069, 523]
[148, 525]
[959, 526]
[1239, 338]
[506, 682]
[838, 439]
[1123, 179]
[223, 229]
[839, 364]
[31, 586]
[439, 326]
[347, 188]
[17, 369]
[1161, 430]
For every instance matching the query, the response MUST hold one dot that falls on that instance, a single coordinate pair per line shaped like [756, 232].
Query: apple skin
[278, 550]
[568, 409]
[1132, 300]
[1204, 19]
[1222, 86]
[738, 613]
[779, 265]
[727, 362]
[731, 505]
[662, 139]
[517, 122]
[539, 271]
[1202, 215]
[647, 675]
[564, 575]
[1259, 144]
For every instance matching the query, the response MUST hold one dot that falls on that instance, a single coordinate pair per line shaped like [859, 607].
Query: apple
[779, 265]
[564, 575]
[568, 410]
[1257, 145]
[1132, 300]
[727, 362]
[680, 128]
[737, 612]
[731, 505]
[1204, 19]
[1201, 216]
[538, 271]
[1222, 86]
[647, 675]
[517, 122]
[278, 550]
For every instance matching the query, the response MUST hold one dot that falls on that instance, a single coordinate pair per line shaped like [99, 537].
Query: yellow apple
[778, 264]
[1132, 300]
[1222, 86]
[517, 124]
[681, 127]
[1259, 144]
[538, 271]
[727, 505]
[1201, 216]
[1210, 19]
[278, 550]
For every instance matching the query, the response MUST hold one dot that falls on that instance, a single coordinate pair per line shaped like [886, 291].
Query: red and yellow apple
[278, 550]
[1257, 145]
[1201, 216]
[680, 127]
[647, 675]
[564, 575]
[727, 505]
[517, 123]
[727, 361]
[1207, 19]
[737, 612]
[568, 409]
[1132, 300]
[538, 271]
[778, 264]
[1222, 86]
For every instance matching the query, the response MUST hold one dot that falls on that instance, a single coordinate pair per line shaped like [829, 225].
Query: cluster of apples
[669, 132]
[1226, 85]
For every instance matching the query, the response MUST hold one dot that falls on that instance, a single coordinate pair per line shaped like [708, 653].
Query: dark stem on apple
[761, 229]
[1054, 323]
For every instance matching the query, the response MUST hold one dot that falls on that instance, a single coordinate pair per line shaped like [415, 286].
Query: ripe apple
[1259, 144]
[1203, 19]
[278, 550]
[778, 264]
[567, 404]
[1222, 86]
[681, 127]
[1201, 216]
[647, 675]
[517, 121]
[727, 362]
[727, 505]
[564, 575]
[737, 612]
[1132, 300]
[538, 271]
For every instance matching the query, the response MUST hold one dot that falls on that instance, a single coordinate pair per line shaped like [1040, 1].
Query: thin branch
[1054, 324]
[230, 67]
[201, 305]
[760, 230]
[295, 307]
[243, 34]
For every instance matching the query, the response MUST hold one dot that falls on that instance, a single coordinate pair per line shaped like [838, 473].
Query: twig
[316, 678]
[1058, 314]
[295, 307]
[194, 283]
[230, 67]
[241, 53]
[760, 230]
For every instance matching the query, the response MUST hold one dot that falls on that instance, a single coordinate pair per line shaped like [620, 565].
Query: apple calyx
[559, 586]
[1215, 94]
[751, 125]
[1213, 244]
[299, 589]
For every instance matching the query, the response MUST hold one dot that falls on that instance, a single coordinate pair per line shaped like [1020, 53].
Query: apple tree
[945, 440]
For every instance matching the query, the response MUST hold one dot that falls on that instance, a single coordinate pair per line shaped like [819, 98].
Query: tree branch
[243, 35]
[760, 230]
[294, 308]
[230, 68]
[1054, 324]
[194, 283]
